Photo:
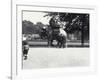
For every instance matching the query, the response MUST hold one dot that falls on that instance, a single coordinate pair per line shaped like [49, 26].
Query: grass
[44, 43]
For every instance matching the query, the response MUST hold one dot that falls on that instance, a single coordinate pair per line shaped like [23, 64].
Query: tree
[75, 22]
[27, 27]
[30, 28]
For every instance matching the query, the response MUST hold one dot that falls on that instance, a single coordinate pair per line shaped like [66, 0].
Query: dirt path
[56, 57]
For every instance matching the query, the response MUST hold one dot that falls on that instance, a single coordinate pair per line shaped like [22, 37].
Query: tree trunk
[82, 36]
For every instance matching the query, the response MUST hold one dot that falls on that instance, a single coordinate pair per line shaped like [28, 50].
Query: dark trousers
[25, 52]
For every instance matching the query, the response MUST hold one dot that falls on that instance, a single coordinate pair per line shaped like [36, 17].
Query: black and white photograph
[55, 39]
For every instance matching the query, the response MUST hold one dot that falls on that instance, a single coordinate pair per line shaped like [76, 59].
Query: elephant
[59, 35]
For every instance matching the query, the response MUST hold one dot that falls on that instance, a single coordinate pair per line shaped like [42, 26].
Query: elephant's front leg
[50, 43]
[58, 44]
[64, 42]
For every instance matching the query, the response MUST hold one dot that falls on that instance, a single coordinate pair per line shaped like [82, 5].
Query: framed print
[52, 40]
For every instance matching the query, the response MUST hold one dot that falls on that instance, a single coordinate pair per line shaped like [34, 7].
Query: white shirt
[62, 32]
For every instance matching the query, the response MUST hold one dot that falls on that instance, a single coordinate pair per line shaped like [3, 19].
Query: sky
[35, 17]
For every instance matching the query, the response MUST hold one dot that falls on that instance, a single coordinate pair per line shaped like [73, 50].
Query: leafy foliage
[75, 22]
[30, 28]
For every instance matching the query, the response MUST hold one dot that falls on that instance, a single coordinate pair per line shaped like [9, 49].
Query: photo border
[13, 76]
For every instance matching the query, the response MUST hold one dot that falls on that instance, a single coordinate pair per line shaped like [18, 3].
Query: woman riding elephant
[62, 38]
